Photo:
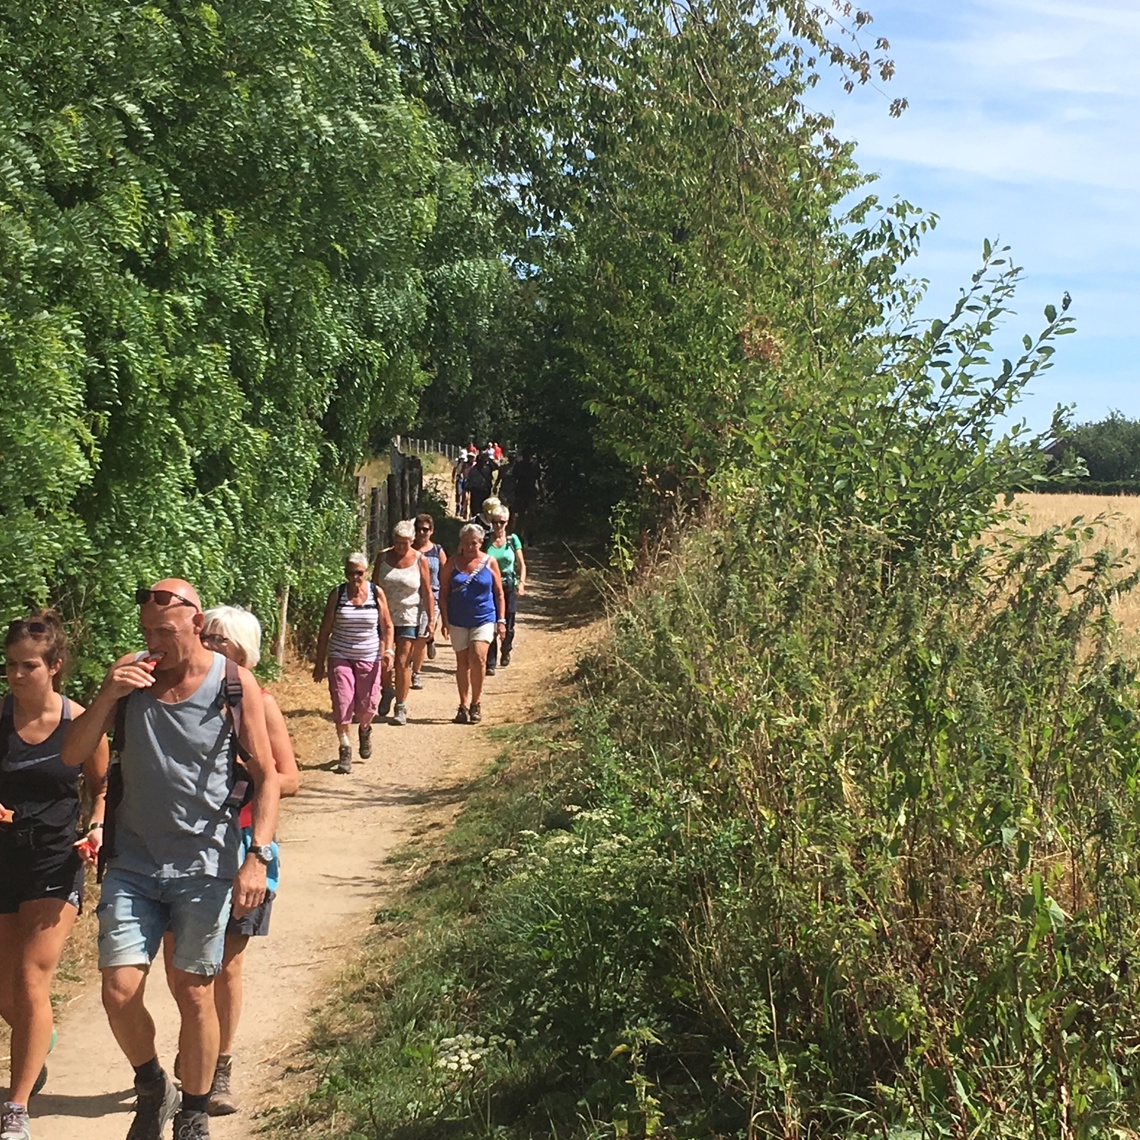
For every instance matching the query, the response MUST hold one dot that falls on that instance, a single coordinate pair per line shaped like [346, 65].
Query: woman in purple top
[471, 597]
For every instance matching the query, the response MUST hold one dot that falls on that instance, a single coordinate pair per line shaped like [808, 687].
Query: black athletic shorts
[29, 873]
[256, 923]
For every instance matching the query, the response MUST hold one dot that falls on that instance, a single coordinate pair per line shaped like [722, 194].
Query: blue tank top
[472, 598]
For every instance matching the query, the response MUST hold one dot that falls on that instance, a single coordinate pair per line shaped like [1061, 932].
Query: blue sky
[1023, 127]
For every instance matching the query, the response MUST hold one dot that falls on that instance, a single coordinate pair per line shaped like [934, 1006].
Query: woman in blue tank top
[41, 853]
[471, 593]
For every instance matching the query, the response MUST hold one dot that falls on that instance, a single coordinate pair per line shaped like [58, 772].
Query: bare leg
[462, 679]
[228, 991]
[31, 942]
[198, 1036]
[418, 654]
[124, 991]
[404, 647]
[478, 668]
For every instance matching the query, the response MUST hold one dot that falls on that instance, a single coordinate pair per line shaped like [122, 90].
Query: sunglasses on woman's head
[21, 624]
[163, 598]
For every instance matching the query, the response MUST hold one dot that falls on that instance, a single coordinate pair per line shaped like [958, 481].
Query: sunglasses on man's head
[21, 624]
[162, 598]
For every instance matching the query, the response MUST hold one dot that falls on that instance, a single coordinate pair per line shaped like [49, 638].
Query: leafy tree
[1109, 447]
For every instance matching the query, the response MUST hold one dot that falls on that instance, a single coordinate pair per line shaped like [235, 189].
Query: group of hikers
[182, 824]
[481, 473]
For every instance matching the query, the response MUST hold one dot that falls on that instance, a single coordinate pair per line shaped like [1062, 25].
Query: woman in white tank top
[404, 576]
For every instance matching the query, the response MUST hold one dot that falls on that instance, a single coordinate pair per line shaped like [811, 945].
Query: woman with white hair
[471, 597]
[356, 636]
[235, 633]
[402, 573]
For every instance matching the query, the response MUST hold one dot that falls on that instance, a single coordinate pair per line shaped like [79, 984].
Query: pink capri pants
[355, 689]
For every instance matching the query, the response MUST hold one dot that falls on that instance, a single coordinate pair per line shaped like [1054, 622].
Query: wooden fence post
[282, 626]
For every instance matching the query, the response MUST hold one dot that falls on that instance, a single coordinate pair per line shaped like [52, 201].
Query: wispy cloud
[1024, 124]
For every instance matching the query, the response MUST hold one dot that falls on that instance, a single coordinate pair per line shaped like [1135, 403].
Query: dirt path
[335, 837]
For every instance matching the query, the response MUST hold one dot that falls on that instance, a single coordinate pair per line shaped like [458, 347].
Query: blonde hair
[501, 514]
[240, 627]
[491, 505]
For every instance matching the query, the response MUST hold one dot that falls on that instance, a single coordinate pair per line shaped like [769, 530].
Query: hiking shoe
[505, 660]
[387, 696]
[461, 716]
[475, 715]
[401, 715]
[155, 1107]
[344, 760]
[14, 1123]
[417, 681]
[431, 650]
[489, 671]
[222, 1099]
[365, 741]
[191, 1126]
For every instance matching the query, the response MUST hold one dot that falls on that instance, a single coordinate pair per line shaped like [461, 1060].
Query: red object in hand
[86, 849]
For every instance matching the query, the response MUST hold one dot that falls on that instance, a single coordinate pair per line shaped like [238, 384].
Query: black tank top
[35, 783]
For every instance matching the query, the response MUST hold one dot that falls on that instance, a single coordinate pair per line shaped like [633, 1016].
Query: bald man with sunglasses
[175, 863]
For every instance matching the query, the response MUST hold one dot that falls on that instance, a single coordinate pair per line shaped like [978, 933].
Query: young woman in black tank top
[41, 866]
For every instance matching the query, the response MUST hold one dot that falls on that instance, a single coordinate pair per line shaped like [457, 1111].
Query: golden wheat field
[1119, 528]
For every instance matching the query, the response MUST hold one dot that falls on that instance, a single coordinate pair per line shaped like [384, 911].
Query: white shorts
[462, 636]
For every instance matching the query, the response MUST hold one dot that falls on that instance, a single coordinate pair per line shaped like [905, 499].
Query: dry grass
[1117, 518]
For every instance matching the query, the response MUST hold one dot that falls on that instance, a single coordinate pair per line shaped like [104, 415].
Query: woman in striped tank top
[356, 636]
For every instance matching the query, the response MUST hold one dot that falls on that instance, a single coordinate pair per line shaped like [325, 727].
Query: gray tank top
[173, 821]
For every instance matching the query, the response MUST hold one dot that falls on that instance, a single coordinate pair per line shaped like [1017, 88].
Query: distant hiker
[436, 558]
[235, 633]
[471, 592]
[506, 550]
[526, 479]
[459, 477]
[356, 636]
[478, 480]
[41, 853]
[175, 853]
[483, 519]
[405, 578]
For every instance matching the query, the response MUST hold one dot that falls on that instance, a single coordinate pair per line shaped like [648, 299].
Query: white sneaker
[401, 714]
[14, 1123]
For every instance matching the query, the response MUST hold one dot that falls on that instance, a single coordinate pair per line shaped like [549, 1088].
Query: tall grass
[838, 843]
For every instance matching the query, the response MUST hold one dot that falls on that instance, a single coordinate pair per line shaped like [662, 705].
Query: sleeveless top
[41, 789]
[402, 589]
[472, 598]
[174, 821]
[505, 556]
[355, 631]
[432, 554]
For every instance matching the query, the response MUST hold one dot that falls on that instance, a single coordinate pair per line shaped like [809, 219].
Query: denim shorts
[406, 632]
[136, 910]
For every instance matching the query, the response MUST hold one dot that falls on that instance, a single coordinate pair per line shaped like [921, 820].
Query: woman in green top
[506, 550]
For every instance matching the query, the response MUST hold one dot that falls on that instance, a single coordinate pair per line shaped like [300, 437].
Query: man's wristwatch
[265, 854]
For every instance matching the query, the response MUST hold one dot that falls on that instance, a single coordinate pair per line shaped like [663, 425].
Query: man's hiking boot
[475, 715]
[461, 716]
[222, 1099]
[14, 1123]
[344, 761]
[505, 660]
[387, 696]
[365, 741]
[401, 714]
[154, 1109]
[191, 1126]
[490, 671]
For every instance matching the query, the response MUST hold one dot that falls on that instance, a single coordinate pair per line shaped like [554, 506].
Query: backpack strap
[7, 725]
